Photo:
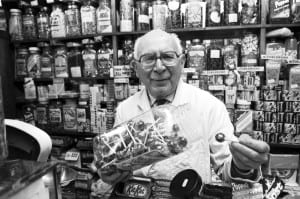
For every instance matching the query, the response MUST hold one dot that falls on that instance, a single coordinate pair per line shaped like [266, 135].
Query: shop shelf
[29, 41]
[290, 146]
[274, 26]
[41, 80]
[72, 134]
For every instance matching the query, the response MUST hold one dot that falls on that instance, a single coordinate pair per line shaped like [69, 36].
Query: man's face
[160, 79]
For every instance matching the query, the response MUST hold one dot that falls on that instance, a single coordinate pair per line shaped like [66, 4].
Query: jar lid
[15, 11]
[243, 102]
[73, 44]
[33, 49]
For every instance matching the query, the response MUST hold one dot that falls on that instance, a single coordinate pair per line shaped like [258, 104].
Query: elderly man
[158, 61]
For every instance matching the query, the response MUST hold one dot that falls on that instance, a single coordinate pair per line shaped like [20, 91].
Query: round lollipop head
[220, 137]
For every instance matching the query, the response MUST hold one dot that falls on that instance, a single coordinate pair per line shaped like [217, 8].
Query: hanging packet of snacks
[295, 11]
[195, 14]
[249, 12]
[279, 11]
[155, 135]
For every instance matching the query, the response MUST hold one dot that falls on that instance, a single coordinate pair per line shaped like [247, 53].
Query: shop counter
[23, 179]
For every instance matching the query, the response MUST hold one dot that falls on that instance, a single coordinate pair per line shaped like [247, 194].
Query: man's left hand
[249, 153]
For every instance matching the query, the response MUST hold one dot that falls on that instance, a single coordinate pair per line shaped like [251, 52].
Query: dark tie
[159, 102]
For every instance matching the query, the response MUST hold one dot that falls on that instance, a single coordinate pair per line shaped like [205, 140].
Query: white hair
[173, 36]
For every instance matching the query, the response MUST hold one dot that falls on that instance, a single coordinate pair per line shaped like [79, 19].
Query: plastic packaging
[15, 24]
[148, 138]
[279, 11]
[249, 49]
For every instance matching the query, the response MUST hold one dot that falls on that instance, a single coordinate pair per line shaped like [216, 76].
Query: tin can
[289, 118]
[280, 106]
[266, 137]
[257, 125]
[270, 95]
[288, 106]
[290, 128]
[273, 138]
[258, 135]
[258, 105]
[279, 128]
[280, 117]
[270, 106]
[296, 107]
[269, 127]
[297, 118]
[258, 115]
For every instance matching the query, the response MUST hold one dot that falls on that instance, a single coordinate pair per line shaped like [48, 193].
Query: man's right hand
[113, 177]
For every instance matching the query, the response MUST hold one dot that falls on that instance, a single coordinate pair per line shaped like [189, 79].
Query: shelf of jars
[77, 79]
[282, 145]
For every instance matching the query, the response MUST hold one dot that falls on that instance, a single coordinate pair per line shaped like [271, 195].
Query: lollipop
[220, 137]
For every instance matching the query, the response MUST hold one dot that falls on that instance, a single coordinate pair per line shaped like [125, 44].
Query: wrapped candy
[148, 138]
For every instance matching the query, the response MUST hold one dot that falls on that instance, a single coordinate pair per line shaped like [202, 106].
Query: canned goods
[296, 107]
[289, 118]
[273, 138]
[258, 105]
[287, 95]
[280, 117]
[280, 106]
[270, 95]
[266, 137]
[279, 127]
[298, 129]
[268, 116]
[297, 118]
[290, 128]
[269, 127]
[258, 135]
[258, 115]
[270, 106]
[288, 106]
[296, 95]
[257, 125]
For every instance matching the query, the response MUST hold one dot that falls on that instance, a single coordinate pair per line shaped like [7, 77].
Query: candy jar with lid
[231, 12]
[88, 18]
[126, 16]
[214, 56]
[69, 113]
[34, 62]
[21, 62]
[103, 17]
[29, 24]
[47, 61]
[55, 115]
[57, 21]
[75, 62]
[43, 23]
[89, 56]
[42, 120]
[214, 13]
[83, 116]
[159, 14]
[15, 24]
[61, 61]
[230, 55]
[143, 20]
[73, 23]
[197, 56]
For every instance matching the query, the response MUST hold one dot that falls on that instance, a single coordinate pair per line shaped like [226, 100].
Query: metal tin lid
[186, 184]
[14, 11]
[33, 49]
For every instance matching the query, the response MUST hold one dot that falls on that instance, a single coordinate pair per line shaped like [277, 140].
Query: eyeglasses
[167, 58]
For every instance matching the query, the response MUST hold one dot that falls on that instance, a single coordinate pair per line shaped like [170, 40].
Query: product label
[41, 113]
[233, 18]
[69, 118]
[215, 54]
[143, 19]
[81, 115]
[76, 71]
[61, 69]
[55, 115]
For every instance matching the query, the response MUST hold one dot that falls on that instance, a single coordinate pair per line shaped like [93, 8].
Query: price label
[274, 57]
[251, 69]
[72, 156]
[215, 72]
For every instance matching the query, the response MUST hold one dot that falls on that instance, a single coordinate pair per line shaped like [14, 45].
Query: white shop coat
[207, 117]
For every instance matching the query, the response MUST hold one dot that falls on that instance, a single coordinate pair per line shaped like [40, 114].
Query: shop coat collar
[180, 97]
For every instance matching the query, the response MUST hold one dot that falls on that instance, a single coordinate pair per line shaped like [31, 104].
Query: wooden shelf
[41, 80]
[73, 134]
[290, 146]
[273, 26]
